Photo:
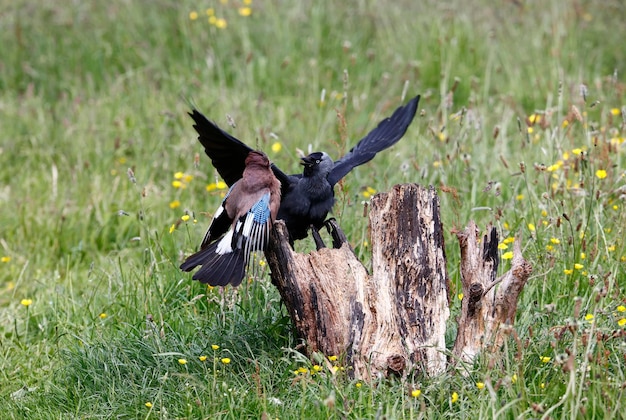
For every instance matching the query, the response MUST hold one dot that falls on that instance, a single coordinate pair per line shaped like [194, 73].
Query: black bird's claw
[339, 238]
[319, 243]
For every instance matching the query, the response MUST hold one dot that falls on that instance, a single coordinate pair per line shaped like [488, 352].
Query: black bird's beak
[307, 161]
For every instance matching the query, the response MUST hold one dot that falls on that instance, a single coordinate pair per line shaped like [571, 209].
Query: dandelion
[193, 15]
[187, 178]
[545, 359]
[583, 255]
[611, 248]
[26, 302]
[179, 175]
[317, 368]
[507, 255]
[215, 347]
[578, 266]
[262, 263]
[519, 197]
[225, 360]
[416, 393]
[358, 385]
[454, 398]
[175, 204]
[172, 228]
[202, 358]
[508, 240]
[577, 151]
[514, 378]
[589, 317]
[302, 369]
[502, 246]
[221, 23]
[601, 173]
[102, 315]
[531, 227]
[621, 322]
[277, 147]
[332, 358]
[178, 184]
[212, 20]
[368, 192]
[460, 296]
[555, 241]
[221, 185]
[182, 361]
[621, 308]
[549, 248]
[568, 271]
[5, 259]
[210, 11]
[245, 11]
[185, 217]
[148, 404]
[480, 385]
[542, 385]
[615, 111]
[530, 130]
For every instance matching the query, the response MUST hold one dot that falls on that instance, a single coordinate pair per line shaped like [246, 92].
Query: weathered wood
[489, 303]
[391, 322]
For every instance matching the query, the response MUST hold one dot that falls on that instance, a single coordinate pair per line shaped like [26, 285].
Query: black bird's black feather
[306, 198]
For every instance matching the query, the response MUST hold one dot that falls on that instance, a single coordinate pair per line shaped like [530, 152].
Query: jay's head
[258, 159]
[317, 163]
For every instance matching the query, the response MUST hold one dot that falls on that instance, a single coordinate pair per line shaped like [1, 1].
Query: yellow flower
[502, 246]
[302, 369]
[436, 164]
[480, 385]
[555, 241]
[565, 155]
[215, 347]
[179, 175]
[212, 20]
[5, 259]
[317, 368]
[185, 217]
[172, 228]
[577, 151]
[545, 359]
[611, 248]
[368, 192]
[182, 361]
[530, 130]
[583, 255]
[601, 173]
[202, 358]
[221, 23]
[177, 184]
[531, 227]
[245, 11]
[615, 111]
[621, 308]
[416, 393]
[262, 263]
[277, 147]
[193, 15]
[568, 271]
[247, 2]
[454, 398]
[578, 266]
[225, 360]
[221, 185]
[507, 255]
[358, 385]
[332, 358]
[589, 317]
[519, 197]
[148, 404]
[514, 378]
[102, 315]
[26, 302]
[460, 296]
[542, 385]
[210, 11]
[508, 240]
[621, 322]
[549, 248]
[175, 204]
[188, 178]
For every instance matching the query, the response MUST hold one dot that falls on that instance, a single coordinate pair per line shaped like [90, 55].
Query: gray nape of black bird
[306, 198]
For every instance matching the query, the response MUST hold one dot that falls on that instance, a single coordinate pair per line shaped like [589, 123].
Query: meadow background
[521, 124]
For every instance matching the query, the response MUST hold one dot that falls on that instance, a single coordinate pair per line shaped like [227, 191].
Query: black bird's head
[317, 163]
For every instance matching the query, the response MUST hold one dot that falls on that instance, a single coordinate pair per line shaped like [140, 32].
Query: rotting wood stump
[392, 321]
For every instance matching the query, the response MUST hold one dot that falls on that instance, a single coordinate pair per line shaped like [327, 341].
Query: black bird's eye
[317, 161]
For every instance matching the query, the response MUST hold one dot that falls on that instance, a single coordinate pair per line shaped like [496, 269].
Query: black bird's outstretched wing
[228, 154]
[385, 135]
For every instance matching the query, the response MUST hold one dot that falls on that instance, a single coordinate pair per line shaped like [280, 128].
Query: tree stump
[487, 311]
[390, 322]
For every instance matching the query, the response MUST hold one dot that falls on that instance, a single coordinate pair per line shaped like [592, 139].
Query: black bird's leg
[339, 238]
[319, 243]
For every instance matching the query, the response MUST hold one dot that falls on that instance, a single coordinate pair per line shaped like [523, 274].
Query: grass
[95, 317]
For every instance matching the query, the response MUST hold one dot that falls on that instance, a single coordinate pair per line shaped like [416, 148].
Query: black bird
[306, 198]
[240, 226]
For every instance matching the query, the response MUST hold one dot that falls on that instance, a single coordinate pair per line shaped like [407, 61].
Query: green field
[522, 123]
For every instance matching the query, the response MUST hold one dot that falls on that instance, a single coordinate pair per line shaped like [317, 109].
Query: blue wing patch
[261, 209]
